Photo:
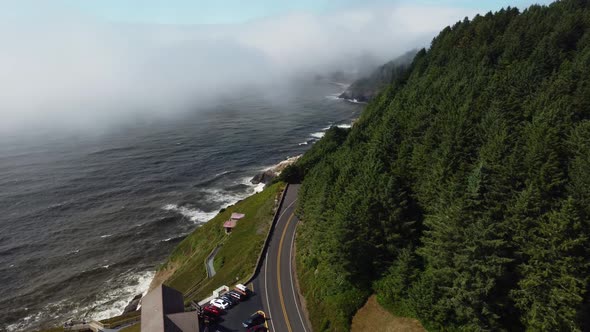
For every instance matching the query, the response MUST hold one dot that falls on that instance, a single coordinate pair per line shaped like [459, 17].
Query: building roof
[161, 309]
[186, 321]
[237, 216]
[230, 224]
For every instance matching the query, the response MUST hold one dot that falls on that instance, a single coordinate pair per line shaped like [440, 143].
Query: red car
[212, 310]
[210, 318]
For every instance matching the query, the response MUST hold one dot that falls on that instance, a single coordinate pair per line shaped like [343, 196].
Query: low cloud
[66, 70]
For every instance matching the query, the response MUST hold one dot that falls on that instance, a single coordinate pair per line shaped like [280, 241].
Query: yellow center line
[279, 273]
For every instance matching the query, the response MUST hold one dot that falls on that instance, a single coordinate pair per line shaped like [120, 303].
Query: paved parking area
[233, 318]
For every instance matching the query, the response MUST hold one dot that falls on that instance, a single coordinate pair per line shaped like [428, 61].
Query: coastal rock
[358, 96]
[133, 304]
[270, 174]
[264, 177]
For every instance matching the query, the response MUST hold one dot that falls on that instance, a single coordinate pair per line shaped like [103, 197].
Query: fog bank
[62, 69]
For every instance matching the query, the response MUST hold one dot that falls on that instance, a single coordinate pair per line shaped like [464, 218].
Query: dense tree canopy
[462, 194]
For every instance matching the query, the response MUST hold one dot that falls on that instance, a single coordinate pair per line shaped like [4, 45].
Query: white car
[219, 303]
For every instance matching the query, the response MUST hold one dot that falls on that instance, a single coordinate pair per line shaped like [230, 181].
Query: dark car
[230, 299]
[236, 295]
[210, 317]
[256, 318]
[258, 328]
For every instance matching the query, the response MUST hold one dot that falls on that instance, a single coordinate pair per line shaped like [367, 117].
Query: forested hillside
[462, 194]
[366, 88]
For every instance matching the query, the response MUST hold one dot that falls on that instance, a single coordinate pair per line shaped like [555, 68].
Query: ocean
[86, 220]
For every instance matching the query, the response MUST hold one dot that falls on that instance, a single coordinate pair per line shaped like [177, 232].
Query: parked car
[242, 290]
[256, 318]
[230, 299]
[224, 299]
[221, 304]
[210, 317]
[236, 295]
[212, 309]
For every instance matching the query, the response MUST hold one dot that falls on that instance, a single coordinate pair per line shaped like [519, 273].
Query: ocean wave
[113, 302]
[194, 215]
[255, 188]
[212, 179]
[318, 135]
[113, 150]
[35, 318]
[222, 173]
[355, 101]
[303, 143]
[220, 198]
[106, 235]
[259, 187]
[175, 238]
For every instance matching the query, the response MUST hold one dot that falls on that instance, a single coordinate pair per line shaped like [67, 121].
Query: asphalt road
[276, 280]
[274, 288]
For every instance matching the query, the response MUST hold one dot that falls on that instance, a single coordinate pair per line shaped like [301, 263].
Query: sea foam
[318, 135]
[194, 215]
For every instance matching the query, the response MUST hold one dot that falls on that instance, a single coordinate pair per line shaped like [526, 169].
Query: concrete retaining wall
[268, 236]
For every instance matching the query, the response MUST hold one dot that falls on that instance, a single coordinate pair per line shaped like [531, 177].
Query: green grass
[237, 257]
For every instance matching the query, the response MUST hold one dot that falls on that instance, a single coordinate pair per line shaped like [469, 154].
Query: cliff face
[364, 89]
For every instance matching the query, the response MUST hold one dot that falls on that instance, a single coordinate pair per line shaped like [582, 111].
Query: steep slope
[366, 88]
[462, 195]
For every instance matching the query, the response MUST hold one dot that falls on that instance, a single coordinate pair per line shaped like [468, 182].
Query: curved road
[276, 281]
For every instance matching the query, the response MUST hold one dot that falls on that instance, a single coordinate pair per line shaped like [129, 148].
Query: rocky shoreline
[269, 174]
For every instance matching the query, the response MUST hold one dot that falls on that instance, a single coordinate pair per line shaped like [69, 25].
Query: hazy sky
[88, 64]
[239, 11]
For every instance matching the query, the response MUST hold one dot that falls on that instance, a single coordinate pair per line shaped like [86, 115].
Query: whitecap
[114, 301]
[222, 173]
[303, 143]
[259, 187]
[106, 235]
[194, 215]
[224, 198]
[345, 126]
[355, 101]
[318, 135]
[36, 318]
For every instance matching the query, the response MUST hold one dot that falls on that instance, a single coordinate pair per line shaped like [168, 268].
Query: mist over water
[64, 70]
[86, 219]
